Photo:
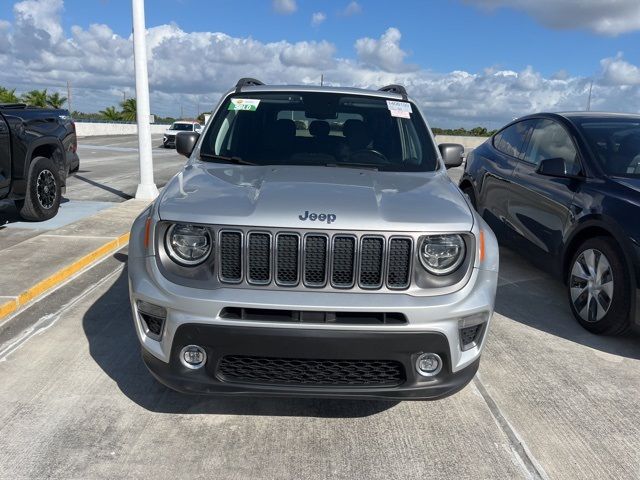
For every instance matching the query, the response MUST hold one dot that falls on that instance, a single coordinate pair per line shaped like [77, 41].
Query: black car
[37, 152]
[564, 191]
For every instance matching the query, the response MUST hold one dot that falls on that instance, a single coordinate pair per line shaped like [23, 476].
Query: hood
[315, 197]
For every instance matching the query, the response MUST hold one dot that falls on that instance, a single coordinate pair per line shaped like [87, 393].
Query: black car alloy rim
[591, 285]
[46, 189]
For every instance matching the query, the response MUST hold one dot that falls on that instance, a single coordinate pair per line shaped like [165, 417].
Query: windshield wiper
[365, 166]
[226, 159]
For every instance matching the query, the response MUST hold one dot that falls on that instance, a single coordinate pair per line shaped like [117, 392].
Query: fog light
[429, 364]
[193, 356]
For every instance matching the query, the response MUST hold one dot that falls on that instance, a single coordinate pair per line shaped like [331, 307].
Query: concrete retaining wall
[84, 129]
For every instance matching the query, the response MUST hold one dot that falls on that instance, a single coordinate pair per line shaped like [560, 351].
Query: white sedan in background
[169, 139]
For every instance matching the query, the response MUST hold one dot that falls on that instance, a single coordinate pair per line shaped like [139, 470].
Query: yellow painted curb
[62, 275]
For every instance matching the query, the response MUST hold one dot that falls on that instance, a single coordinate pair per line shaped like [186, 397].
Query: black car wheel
[44, 191]
[599, 287]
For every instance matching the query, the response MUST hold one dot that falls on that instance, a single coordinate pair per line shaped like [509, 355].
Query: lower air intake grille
[469, 335]
[154, 324]
[291, 371]
[231, 256]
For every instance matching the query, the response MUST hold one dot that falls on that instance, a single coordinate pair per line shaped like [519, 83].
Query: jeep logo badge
[321, 217]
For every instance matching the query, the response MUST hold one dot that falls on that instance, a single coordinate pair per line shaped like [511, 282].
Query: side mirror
[186, 142]
[553, 167]
[452, 154]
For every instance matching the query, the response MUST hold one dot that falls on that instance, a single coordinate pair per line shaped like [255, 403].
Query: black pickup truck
[37, 153]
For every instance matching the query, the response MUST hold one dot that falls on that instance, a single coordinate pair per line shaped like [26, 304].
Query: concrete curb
[61, 276]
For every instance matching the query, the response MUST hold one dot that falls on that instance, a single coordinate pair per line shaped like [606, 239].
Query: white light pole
[147, 189]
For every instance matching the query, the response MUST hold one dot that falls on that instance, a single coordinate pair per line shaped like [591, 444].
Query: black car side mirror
[186, 142]
[553, 167]
[452, 154]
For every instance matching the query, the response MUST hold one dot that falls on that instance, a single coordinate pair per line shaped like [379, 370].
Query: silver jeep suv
[313, 245]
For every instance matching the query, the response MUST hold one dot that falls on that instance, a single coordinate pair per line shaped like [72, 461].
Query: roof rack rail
[247, 82]
[394, 88]
[13, 105]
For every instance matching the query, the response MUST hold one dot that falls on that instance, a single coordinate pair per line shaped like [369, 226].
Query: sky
[465, 62]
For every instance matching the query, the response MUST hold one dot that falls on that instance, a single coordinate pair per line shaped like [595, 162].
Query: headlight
[188, 245]
[442, 254]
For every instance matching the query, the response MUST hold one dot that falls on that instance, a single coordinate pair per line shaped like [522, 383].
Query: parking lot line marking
[61, 275]
[8, 307]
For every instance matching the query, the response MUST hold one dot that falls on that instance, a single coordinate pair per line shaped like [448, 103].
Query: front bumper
[222, 341]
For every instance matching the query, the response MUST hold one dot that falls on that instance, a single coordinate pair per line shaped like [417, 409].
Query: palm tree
[36, 98]
[111, 114]
[8, 96]
[56, 100]
[129, 109]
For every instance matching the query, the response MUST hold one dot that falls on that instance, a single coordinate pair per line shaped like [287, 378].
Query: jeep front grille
[315, 260]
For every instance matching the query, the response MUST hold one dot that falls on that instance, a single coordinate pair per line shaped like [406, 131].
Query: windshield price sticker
[245, 104]
[399, 109]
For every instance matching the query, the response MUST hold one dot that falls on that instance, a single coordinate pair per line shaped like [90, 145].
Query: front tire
[44, 191]
[599, 288]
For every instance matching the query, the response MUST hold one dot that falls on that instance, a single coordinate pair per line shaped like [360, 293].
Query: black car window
[548, 140]
[615, 143]
[511, 139]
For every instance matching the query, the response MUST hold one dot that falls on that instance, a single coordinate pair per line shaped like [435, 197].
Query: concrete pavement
[550, 401]
[43, 262]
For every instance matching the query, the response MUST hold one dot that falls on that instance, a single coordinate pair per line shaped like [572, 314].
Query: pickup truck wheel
[44, 191]
[599, 289]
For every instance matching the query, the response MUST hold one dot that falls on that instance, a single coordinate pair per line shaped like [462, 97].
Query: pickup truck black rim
[46, 189]
[591, 285]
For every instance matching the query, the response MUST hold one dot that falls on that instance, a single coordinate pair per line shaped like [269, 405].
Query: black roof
[596, 115]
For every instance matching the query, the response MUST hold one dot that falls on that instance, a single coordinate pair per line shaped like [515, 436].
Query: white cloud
[354, 8]
[42, 16]
[317, 18]
[99, 64]
[285, 7]
[605, 17]
[308, 54]
[384, 53]
[619, 72]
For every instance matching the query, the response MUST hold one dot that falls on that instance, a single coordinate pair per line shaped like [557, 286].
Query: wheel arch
[49, 147]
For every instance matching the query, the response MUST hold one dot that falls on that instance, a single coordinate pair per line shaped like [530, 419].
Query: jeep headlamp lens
[442, 254]
[188, 245]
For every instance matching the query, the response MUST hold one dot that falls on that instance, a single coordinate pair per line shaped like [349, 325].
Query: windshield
[320, 129]
[615, 143]
[183, 127]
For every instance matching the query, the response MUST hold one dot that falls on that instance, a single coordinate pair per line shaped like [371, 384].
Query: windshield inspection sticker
[399, 109]
[244, 104]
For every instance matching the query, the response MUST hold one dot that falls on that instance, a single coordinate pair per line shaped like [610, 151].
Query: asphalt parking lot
[550, 400]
